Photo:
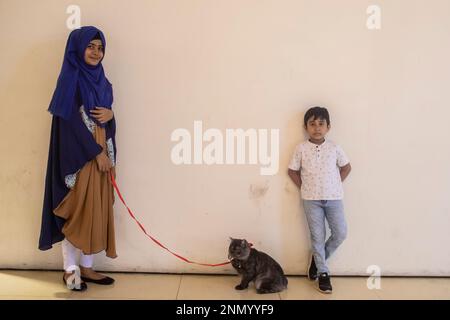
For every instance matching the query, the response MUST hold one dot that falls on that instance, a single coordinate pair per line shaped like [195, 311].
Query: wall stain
[257, 191]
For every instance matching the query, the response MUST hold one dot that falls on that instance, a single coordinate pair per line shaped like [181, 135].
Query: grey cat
[254, 265]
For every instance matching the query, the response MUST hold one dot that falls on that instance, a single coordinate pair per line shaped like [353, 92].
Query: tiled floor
[48, 285]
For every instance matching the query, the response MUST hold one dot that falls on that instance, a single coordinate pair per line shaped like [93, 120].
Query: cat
[257, 266]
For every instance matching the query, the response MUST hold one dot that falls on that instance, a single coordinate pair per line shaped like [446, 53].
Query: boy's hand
[295, 177]
[102, 115]
[344, 171]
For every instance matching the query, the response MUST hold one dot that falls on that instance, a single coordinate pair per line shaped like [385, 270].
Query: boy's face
[94, 52]
[317, 129]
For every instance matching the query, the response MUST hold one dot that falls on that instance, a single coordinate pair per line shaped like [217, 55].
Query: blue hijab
[93, 88]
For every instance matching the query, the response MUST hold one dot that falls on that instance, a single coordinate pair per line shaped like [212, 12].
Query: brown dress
[88, 208]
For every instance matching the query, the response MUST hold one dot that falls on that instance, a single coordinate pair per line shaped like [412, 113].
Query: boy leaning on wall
[318, 167]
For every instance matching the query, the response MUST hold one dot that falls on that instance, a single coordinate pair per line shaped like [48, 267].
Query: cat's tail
[285, 282]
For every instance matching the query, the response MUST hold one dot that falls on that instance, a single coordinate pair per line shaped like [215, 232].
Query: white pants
[70, 257]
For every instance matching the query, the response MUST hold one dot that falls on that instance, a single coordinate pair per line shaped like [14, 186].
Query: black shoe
[106, 281]
[312, 270]
[325, 283]
[83, 286]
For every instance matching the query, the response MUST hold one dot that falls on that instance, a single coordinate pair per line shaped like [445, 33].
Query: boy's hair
[318, 113]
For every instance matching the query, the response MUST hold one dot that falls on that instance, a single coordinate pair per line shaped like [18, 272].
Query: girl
[79, 196]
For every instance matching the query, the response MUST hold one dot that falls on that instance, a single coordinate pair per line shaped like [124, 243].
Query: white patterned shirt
[319, 170]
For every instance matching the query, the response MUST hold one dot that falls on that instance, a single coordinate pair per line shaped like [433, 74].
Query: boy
[318, 168]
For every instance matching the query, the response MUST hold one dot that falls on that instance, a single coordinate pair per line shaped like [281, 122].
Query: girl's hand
[103, 162]
[102, 115]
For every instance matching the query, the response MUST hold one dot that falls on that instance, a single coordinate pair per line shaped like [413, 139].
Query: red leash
[153, 239]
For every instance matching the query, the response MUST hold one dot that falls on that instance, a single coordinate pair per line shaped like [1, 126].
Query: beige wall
[242, 64]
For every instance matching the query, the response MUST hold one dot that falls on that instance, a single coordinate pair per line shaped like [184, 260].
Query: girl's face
[94, 52]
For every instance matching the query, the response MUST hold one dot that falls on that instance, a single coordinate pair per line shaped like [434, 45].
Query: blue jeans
[316, 212]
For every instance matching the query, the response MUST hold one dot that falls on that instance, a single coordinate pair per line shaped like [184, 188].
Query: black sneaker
[312, 270]
[325, 283]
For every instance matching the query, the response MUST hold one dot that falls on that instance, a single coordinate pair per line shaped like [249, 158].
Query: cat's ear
[244, 243]
[231, 239]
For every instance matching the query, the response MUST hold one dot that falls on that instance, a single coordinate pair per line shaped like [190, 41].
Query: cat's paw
[240, 287]
[263, 291]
